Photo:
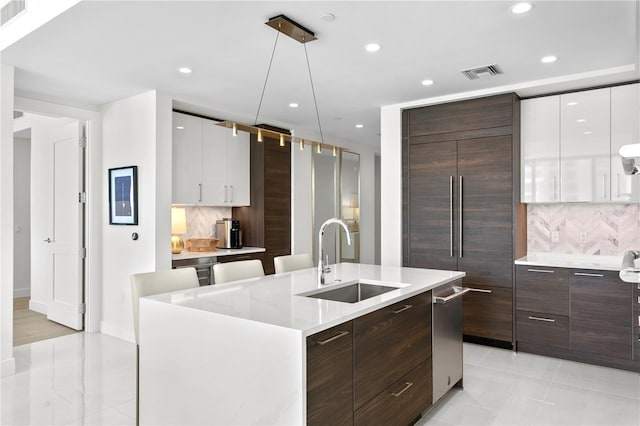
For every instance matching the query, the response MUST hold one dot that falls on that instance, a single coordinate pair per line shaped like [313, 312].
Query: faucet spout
[322, 266]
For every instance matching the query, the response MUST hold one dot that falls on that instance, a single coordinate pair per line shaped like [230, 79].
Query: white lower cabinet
[211, 167]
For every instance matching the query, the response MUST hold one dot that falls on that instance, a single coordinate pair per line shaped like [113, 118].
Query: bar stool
[238, 270]
[292, 262]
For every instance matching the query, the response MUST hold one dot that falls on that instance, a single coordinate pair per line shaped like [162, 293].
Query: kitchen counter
[219, 252]
[576, 261]
[235, 353]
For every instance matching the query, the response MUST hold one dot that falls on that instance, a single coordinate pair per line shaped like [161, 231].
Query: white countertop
[276, 299]
[219, 252]
[577, 261]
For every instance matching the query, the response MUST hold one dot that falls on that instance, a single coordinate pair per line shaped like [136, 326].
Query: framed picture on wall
[123, 196]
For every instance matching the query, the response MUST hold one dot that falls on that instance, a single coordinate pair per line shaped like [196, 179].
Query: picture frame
[123, 195]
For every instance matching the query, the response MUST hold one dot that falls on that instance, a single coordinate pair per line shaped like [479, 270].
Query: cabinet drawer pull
[199, 192]
[451, 216]
[407, 386]
[541, 319]
[404, 308]
[331, 339]
[584, 274]
[457, 292]
[480, 290]
[545, 271]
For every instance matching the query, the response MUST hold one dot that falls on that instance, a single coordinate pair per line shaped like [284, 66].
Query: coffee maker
[229, 233]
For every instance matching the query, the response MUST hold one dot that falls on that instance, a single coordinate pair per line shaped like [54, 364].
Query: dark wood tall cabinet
[267, 221]
[461, 202]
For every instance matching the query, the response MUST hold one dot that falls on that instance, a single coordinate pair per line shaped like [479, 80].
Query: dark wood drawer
[542, 289]
[402, 402]
[389, 343]
[244, 256]
[636, 322]
[542, 329]
[488, 312]
[330, 376]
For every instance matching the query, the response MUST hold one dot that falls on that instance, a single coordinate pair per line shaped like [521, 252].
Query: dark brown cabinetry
[375, 369]
[267, 221]
[330, 376]
[584, 315]
[461, 207]
[636, 323]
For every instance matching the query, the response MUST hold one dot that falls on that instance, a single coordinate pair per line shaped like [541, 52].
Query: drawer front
[402, 402]
[542, 329]
[487, 312]
[330, 376]
[542, 289]
[389, 343]
[236, 257]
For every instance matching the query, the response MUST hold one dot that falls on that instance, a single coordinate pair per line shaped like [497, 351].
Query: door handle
[451, 216]
[457, 292]
[460, 213]
[48, 240]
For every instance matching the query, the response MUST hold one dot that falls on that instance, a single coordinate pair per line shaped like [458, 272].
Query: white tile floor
[89, 379]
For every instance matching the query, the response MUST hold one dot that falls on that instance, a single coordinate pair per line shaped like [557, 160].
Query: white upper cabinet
[186, 159]
[585, 146]
[625, 125]
[540, 157]
[210, 166]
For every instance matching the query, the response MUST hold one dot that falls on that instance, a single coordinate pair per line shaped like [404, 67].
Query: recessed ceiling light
[293, 105]
[549, 59]
[372, 47]
[427, 82]
[587, 133]
[580, 120]
[180, 127]
[328, 17]
[359, 126]
[185, 70]
[572, 103]
[523, 7]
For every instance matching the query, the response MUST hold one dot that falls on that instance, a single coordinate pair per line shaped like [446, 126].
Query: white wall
[22, 217]
[136, 132]
[7, 360]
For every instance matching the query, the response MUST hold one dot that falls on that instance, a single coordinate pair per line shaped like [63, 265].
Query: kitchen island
[237, 353]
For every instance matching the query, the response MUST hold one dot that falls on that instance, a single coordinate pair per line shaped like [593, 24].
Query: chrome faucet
[323, 267]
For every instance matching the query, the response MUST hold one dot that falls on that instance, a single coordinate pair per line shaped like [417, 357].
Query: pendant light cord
[314, 92]
[267, 78]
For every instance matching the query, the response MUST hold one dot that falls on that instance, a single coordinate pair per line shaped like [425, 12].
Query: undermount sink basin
[353, 293]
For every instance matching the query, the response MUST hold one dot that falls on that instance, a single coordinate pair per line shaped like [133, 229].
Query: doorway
[49, 212]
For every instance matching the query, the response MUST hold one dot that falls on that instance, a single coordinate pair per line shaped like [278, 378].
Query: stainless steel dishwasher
[446, 329]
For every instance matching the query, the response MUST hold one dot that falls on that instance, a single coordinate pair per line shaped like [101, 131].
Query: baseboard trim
[38, 307]
[8, 367]
[19, 293]
[117, 332]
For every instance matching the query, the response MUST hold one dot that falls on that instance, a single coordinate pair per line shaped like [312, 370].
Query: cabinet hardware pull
[231, 191]
[48, 240]
[546, 271]
[604, 185]
[541, 319]
[480, 290]
[226, 193]
[451, 216]
[199, 192]
[457, 292]
[402, 309]
[407, 386]
[460, 242]
[584, 274]
[555, 185]
[331, 339]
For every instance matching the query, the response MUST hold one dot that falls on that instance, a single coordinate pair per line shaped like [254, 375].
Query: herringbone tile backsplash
[608, 229]
[201, 221]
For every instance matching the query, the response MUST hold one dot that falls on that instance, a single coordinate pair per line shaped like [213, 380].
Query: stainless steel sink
[353, 293]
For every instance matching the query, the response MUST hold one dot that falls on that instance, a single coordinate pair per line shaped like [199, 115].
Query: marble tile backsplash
[593, 229]
[201, 221]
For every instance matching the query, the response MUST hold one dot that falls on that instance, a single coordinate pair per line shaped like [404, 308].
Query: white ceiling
[102, 51]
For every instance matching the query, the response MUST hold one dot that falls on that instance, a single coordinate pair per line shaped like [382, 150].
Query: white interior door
[65, 241]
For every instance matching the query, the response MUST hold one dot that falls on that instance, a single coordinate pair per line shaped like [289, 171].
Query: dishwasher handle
[457, 292]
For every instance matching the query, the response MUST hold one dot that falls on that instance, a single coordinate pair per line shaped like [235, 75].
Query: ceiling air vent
[11, 10]
[482, 72]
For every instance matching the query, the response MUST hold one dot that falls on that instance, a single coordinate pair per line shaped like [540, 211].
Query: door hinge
[82, 308]
[82, 197]
[83, 141]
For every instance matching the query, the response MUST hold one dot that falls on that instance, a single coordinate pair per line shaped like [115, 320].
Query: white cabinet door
[186, 159]
[238, 175]
[585, 147]
[540, 156]
[625, 125]
[215, 163]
